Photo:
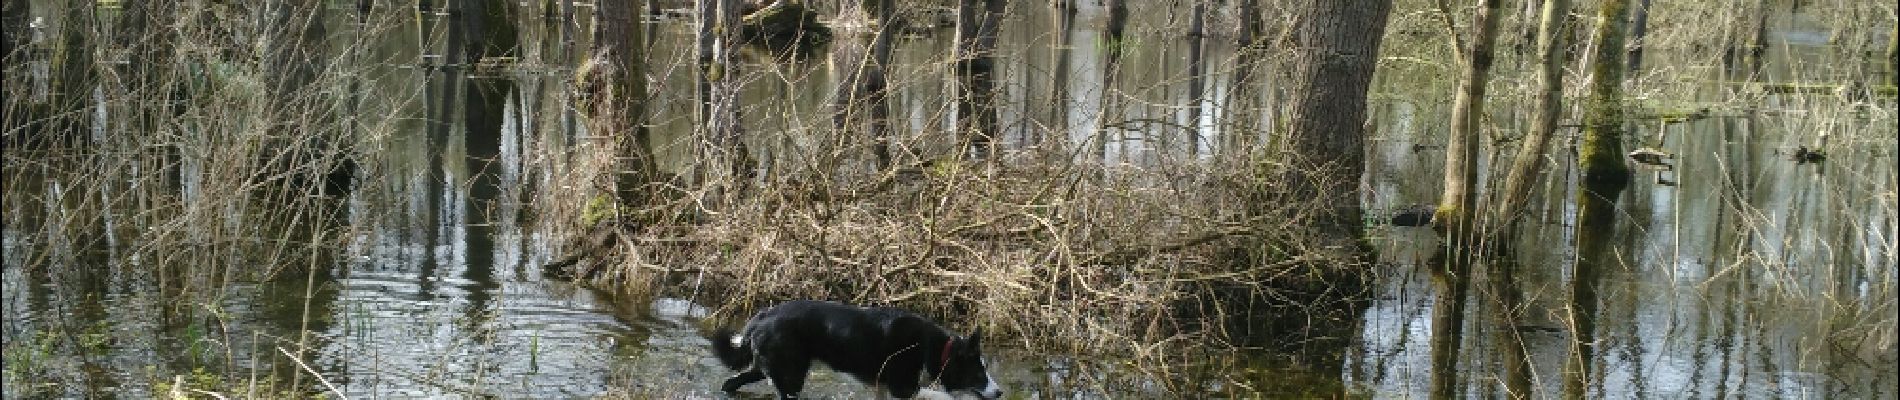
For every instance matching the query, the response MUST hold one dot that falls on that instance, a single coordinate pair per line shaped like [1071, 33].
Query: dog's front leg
[743, 378]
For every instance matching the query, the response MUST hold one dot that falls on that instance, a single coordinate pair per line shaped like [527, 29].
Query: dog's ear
[975, 337]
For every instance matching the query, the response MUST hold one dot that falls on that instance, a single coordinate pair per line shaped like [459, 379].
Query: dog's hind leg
[743, 378]
[788, 374]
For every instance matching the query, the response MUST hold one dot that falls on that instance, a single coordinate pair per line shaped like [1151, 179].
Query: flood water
[1740, 273]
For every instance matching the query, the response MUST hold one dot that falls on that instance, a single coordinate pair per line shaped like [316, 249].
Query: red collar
[946, 356]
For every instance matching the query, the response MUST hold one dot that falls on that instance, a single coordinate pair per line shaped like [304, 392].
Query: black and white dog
[878, 346]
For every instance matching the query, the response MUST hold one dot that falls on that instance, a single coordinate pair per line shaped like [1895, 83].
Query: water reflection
[1753, 276]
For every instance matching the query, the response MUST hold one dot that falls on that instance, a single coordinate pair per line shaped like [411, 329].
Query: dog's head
[964, 370]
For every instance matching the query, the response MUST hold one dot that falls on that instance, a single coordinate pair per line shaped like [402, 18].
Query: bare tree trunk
[1456, 210]
[1454, 218]
[1604, 177]
[976, 41]
[1110, 109]
[706, 11]
[1197, 71]
[615, 78]
[1322, 151]
[1530, 160]
[1063, 11]
[863, 90]
[1525, 168]
[729, 153]
[1601, 156]
[1242, 125]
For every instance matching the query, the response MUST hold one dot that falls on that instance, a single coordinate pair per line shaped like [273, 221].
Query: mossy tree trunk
[1456, 210]
[1604, 176]
[1525, 168]
[1601, 156]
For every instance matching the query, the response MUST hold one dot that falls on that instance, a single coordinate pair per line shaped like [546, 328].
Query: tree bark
[1601, 156]
[724, 131]
[862, 89]
[1197, 74]
[1639, 29]
[1322, 151]
[1456, 210]
[1110, 108]
[1530, 159]
[617, 82]
[975, 43]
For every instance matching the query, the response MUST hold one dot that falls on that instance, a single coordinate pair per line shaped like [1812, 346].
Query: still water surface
[1749, 276]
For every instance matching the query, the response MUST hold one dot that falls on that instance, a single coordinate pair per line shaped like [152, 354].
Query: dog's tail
[732, 350]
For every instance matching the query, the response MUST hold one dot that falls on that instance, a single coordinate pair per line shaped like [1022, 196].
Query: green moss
[598, 209]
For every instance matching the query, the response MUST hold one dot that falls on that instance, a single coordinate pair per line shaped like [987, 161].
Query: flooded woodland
[1132, 199]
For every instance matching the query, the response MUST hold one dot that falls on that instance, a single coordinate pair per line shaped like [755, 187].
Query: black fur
[880, 346]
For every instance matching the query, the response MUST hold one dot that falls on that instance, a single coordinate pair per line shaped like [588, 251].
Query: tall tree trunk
[1197, 71]
[706, 14]
[1242, 113]
[1063, 28]
[863, 88]
[1525, 168]
[1110, 109]
[1530, 160]
[877, 83]
[1454, 218]
[1604, 177]
[1639, 29]
[1601, 156]
[1322, 152]
[1456, 210]
[616, 79]
[724, 132]
[975, 65]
